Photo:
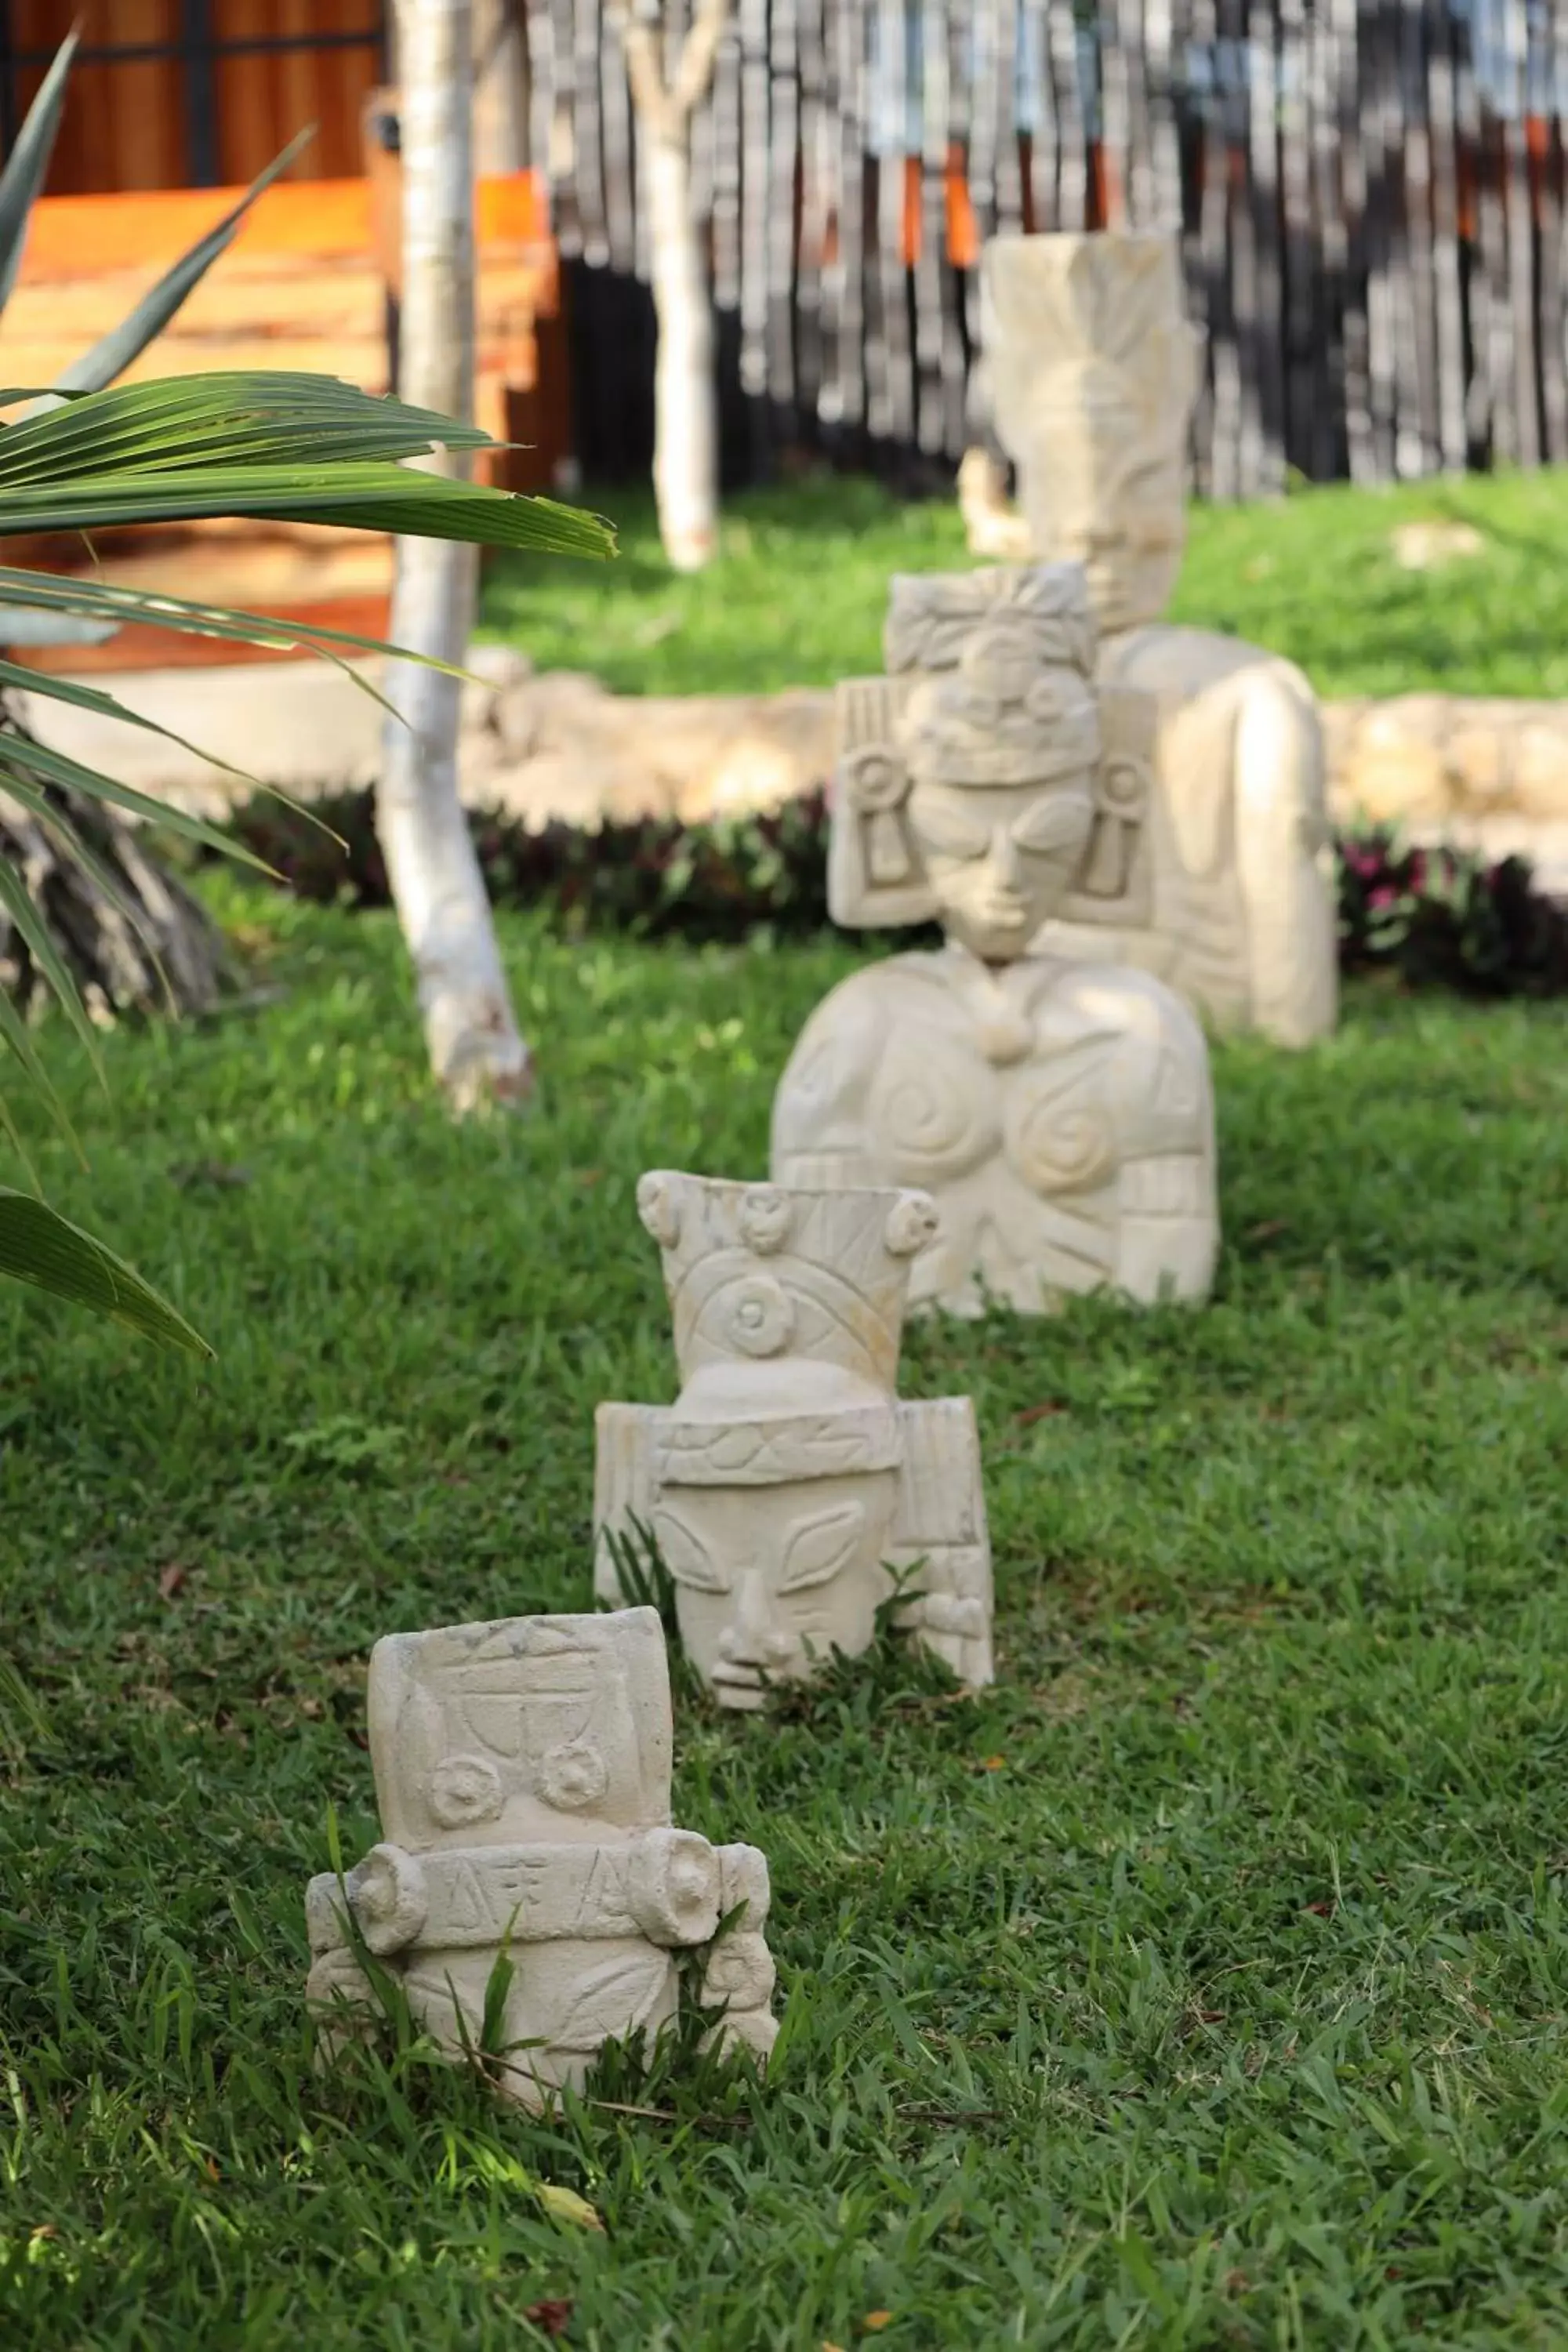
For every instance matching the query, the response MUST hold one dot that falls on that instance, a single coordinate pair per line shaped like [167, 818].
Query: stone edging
[1492, 774]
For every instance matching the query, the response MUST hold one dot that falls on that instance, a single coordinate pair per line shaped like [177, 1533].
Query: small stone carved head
[1093, 369]
[776, 1473]
[1000, 739]
[548, 1729]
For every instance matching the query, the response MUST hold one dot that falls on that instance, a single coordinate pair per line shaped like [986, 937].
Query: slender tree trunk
[686, 425]
[436, 887]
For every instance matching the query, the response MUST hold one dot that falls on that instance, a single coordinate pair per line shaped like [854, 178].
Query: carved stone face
[547, 1728]
[1093, 369]
[1102, 484]
[771, 1579]
[1000, 860]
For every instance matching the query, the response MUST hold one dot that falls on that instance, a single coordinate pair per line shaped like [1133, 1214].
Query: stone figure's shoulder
[1166, 657]
[881, 994]
[1118, 997]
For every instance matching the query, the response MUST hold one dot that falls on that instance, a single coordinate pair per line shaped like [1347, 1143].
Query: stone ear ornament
[875, 877]
[788, 1481]
[1114, 884]
[558, 1851]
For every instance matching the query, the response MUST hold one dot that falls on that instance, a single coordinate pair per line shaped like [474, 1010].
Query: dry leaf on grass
[551, 2315]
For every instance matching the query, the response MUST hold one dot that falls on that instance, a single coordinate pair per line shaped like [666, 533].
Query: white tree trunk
[684, 419]
[436, 887]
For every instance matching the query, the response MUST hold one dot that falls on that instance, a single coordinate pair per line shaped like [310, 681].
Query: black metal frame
[199, 49]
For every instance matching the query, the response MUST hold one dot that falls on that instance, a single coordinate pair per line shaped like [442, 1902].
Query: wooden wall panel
[123, 125]
[262, 101]
[127, 126]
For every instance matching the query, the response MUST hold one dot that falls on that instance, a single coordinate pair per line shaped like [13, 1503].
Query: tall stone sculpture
[1093, 369]
[522, 1772]
[788, 1478]
[1059, 1111]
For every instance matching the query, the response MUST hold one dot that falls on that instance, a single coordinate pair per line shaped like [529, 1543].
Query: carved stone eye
[687, 1556]
[758, 1317]
[573, 1777]
[1050, 823]
[465, 1789]
[949, 831]
[821, 1548]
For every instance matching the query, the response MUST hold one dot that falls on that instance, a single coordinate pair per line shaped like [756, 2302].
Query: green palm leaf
[27, 165]
[40, 1246]
[300, 449]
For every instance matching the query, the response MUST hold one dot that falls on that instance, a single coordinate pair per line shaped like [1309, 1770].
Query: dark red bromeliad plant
[1426, 916]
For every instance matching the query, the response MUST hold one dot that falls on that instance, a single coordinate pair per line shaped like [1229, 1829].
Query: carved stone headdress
[1095, 320]
[788, 1310]
[990, 683]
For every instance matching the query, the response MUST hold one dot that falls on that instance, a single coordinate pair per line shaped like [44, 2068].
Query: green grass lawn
[798, 594]
[1202, 1984]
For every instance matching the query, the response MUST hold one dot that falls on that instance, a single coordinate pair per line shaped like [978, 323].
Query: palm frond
[27, 165]
[40, 1246]
[300, 449]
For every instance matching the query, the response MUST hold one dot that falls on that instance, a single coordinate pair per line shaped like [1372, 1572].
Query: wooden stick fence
[1371, 195]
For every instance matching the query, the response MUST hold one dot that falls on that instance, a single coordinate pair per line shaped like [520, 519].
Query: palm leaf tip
[37, 1245]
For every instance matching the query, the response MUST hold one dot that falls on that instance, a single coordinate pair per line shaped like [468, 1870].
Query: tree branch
[666, 107]
[645, 74]
[699, 54]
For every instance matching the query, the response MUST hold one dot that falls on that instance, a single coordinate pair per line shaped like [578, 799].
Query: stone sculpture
[1060, 1111]
[788, 1480]
[1093, 369]
[523, 1773]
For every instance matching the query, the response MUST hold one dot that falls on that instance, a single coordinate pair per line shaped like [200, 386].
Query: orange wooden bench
[304, 285]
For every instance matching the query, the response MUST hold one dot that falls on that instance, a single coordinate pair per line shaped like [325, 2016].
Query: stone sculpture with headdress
[1059, 1113]
[788, 1479]
[1092, 369]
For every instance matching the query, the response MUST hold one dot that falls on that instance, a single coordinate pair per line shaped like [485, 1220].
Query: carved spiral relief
[1058, 1148]
[930, 1116]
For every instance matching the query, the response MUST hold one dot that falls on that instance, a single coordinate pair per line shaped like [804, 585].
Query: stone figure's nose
[1005, 863]
[755, 1637]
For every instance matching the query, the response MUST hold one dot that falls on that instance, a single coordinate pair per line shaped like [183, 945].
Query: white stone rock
[1059, 1111]
[522, 1772]
[1093, 368]
[789, 1481]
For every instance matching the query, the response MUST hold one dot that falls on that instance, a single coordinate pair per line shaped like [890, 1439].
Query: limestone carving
[789, 1480]
[522, 1773]
[1059, 1111]
[1093, 369]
